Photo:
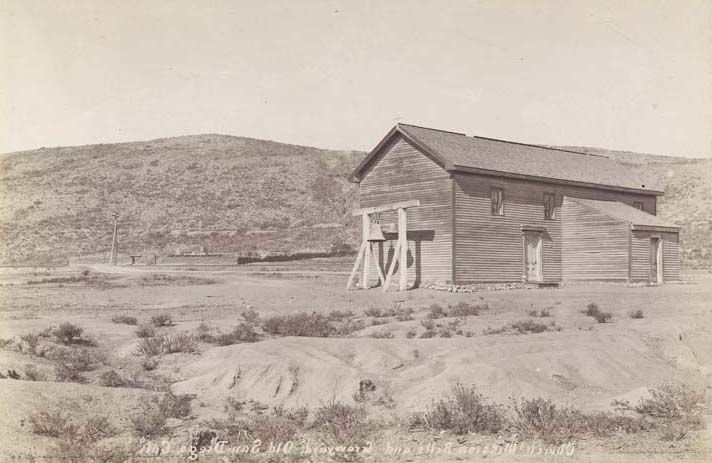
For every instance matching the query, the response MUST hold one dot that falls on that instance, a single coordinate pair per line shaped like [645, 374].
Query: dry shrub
[592, 310]
[162, 320]
[465, 411]
[153, 415]
[386, 334]
[125, 319]
[338, 315]
[243, 332]
[68, 333]
[300, 324]
[346, 424]
[528, 326]
[150, 347]
[57, 424]
[543, 419]
[145, 331]
[166, 344]
[112, 379]
[436, 311]
[636, 314]
[72, 362]
[671, 401]
[463, 309]
[179, 342]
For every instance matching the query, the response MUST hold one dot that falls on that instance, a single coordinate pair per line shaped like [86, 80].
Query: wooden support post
[359, 256]
[403, 242]
[114, 240]
[392, 267]
[366, 225]
[381, 278]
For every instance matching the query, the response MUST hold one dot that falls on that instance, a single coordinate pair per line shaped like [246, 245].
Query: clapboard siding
[594, 246]
[403, 173]
[671, 256]
[640, 255]
[489, 248]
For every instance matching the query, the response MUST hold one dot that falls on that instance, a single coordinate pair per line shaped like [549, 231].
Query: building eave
[554, 181]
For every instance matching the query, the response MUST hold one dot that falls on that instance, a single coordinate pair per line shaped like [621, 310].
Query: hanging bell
[375, 233]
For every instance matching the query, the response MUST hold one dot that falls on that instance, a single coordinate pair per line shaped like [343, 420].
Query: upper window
[638, 205]
[497, 201]
[549, 206]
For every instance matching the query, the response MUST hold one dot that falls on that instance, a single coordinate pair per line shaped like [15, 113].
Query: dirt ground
[576, 361]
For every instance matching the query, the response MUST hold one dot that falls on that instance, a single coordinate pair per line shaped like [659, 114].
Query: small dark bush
[244, 332]
[404, 314]
[338, 315]
[636, 314]
[151, 420]
[145, 331]
[428, 334]
[427, 324]
[533, 313]
[250, 316]
[53, 424]
[528, 326]
[436, 311]
[31, 373]
[57, 424]
[381, 335]
[112, 379]
[463, 309]
[68, 333]
[162, 320]
[149, 364]
[592, 310]
[349, 327]
[166, 344]
[150, 347]
[544, 313]
[300, 324]
[411, 333]
[125, 319]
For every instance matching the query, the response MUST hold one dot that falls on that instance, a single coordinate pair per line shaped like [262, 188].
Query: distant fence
[241, 260]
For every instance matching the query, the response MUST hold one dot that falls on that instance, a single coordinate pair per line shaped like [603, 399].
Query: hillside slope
[237, 195]
[174, 195]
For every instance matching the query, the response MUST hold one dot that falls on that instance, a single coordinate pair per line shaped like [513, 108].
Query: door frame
[658, 278]
[539, 234]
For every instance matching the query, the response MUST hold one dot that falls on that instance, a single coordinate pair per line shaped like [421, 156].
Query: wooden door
[655, 264]
[532, 256]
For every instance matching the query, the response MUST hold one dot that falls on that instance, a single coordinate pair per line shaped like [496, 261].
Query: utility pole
[114, 240]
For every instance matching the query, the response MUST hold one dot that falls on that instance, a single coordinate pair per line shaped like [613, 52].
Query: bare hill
[230, 194]
[174, 195]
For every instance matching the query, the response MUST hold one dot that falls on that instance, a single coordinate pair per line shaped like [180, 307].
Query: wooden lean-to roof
[640, 220]
[459, 152]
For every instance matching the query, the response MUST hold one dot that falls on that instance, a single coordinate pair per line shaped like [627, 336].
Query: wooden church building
[498, 211]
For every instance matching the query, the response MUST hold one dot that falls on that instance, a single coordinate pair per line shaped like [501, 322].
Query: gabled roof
[458, 152]
[626, 213]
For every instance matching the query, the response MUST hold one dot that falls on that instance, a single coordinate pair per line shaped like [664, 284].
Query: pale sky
[634, 75]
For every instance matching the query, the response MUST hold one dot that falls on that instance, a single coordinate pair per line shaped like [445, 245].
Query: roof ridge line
[540, 146]
[430, 128]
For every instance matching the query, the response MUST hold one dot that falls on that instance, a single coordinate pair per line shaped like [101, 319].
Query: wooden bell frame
[365, 252]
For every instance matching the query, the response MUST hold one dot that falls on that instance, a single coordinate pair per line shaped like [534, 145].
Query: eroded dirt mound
[588, 368]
